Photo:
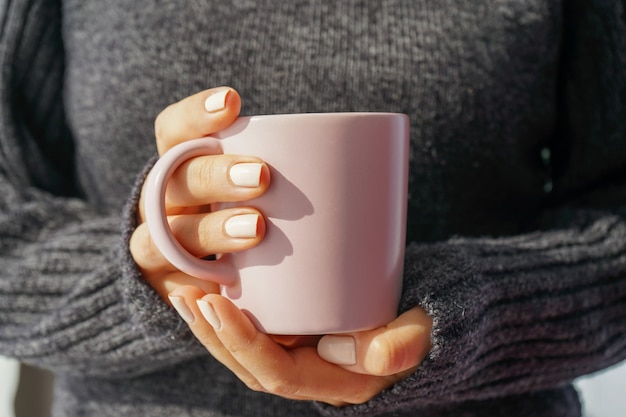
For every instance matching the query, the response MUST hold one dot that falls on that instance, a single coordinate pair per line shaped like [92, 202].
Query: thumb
[398, 347]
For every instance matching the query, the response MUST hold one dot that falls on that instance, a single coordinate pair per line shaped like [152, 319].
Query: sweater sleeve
[513, 315]
[72, 300]
[531, 312]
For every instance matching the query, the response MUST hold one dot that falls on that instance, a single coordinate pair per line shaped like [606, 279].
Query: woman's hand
[198, 183]
[343, 369]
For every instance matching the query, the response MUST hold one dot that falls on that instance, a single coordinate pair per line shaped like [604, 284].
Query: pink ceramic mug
[332, 257]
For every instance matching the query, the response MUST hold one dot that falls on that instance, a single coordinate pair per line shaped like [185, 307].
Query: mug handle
[220, 271]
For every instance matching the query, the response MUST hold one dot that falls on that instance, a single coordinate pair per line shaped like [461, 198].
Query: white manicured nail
[216, 101]
[209, 314]
[183, 311]
[340, 350]
[246, 174]
[242, 226]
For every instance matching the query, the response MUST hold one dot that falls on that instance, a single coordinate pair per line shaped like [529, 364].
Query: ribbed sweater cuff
[523, 313]
[72, 298]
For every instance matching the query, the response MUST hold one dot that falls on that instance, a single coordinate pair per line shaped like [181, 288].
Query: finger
[196, 116]
[184, 300]
[223, 178]
[291, 373]
[166, 283]
[398, 347]
[209, 179]
[223, 231]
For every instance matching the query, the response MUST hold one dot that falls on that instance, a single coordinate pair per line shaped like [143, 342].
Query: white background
[9, 373]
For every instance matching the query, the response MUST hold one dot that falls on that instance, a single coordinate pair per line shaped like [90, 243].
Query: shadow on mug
[276, 210]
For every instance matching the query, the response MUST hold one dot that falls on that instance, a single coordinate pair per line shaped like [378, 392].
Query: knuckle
[389, 354]
[211, 241]
[385, 357]
[253, 384]
[238, 348]
[159, 126]
[141, 246]
[281, 388]
[208, 172]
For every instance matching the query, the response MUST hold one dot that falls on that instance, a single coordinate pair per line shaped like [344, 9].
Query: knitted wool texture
[516, 235]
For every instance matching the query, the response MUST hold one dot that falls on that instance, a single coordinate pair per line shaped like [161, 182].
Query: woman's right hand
[195, 185]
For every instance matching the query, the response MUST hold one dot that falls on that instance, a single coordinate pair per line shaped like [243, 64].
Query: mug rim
[324, 114]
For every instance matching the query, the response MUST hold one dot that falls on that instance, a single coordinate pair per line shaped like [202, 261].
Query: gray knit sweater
[517, 228]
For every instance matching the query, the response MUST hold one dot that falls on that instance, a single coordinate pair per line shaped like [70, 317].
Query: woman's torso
[478, 80]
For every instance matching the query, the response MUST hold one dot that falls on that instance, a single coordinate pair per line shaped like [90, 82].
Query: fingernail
[183, 311]
[246, 174]
[242, 226]
[216, 101]
[209, 314]
[340, 350]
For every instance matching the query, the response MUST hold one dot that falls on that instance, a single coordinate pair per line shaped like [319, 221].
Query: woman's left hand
[343, 369]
